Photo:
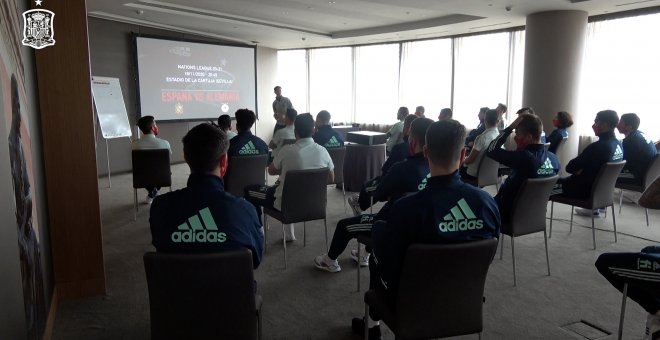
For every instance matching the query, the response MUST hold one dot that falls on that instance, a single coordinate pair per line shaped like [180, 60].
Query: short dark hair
[531, 124]
[203, 146]
[609, 117]
[145, 124]
[419, 109]
[444, 141]
[304, 125]
[503, 106]
[491, 117]
[402, 113]
[418, 129]
[484, 109]
[631, 119]
[565, 120]
[245, 118]
[446, 112]
[409, 119]
[291, 114]
[224, 122]
[323, 116]
[526, 110]
[277, 88]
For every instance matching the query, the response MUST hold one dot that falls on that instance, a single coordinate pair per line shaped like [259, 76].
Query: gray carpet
[304, 303]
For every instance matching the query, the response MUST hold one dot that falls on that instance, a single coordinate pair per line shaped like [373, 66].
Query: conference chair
[652, 172]
[203, 296]
[151, 168]
[546, 146]
[487, 173]
[244, 170]
[288, 142]
[600, 196]
[337, 155]
[304, 198]
[528, 215]
[440, 293]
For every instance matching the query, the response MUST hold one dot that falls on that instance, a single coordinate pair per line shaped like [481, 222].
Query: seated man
[585, 166]
[431, 215]
[405, 177]
[304, 154]
[401, 150]
[501, 111]
[419, 112]
[284, 133]
[561, 122]
[445, 114]
[529, 110]
[394, 135]
[480, 128]
[325, 135]
[245, 143]
[530, 160]
[640, 270]
[470, 168]
[202, 217]
[224, 123]
[149, 141]
[638, 150]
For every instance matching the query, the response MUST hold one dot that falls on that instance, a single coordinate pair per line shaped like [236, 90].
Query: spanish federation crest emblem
[38, 29]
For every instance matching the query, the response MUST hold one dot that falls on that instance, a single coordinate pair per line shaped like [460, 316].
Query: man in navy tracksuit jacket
[399, 151]
[637, 150]
[445, 211]
[404, 177]
[530, 160]
[245, 143]
[585, 166]
[202, 217]
[325, 135]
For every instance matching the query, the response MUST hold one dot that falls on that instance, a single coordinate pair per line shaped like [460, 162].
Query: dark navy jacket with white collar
[203, 218]
[246, 144]
[404, 177]
[323, 137]
[638, 152]
[532, 162]
[589, 162]
[445, 211]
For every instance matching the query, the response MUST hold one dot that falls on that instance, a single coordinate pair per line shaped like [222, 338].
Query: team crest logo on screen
[178, 108]
[38, 31]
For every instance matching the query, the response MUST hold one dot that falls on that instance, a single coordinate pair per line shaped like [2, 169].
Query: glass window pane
[292, 76]
[426, 76]
[376, 83]
[331, 83]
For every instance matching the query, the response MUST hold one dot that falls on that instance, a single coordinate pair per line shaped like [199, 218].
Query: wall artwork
[16, 112]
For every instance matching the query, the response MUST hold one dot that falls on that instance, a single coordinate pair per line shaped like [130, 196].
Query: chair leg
[479, 336]
[259, 325]
[547, 257]
[304, 234]
[552, 212]
[513, 255]
[325, 223]
[343, 191]
[501, 246]
[366, 318]
[623, 309]
[265, 233]
[359, 254]
[620, 200]
[570, 230]
[135, 205]
[647, 216]
[613, 222]
[284, 243]
[593, 230]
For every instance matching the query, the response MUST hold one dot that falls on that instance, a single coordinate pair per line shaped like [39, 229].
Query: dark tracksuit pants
[348, 229]
[640, 270]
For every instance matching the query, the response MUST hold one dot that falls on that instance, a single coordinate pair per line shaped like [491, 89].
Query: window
[426, 76]
[292, 76]
[331, 82]
[376, 83]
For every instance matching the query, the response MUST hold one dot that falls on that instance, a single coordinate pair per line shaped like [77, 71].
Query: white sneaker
[289, 233]
[588, 212]
[323, 262]
[354, 202]
[364, 259]
[149, 199]
[652, 327]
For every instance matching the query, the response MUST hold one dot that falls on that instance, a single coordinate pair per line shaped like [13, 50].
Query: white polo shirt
[150, 141]
[396, 136]
[304, 154]
[481, 144]
[280, 135]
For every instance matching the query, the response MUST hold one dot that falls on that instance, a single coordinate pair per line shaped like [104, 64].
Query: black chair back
[243, 171]
[652, 172]
[304, 196]
[201, 296]
[151, 168]
[441, 289]
[337, 155]
[487, 174]
[288, 142]
[603, 186]
[530, 206]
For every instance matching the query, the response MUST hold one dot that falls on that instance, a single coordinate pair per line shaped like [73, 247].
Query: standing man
[149, 129]
[280, 105]
[431, 215]
[638, 150]
[325, 135]
[202, 217]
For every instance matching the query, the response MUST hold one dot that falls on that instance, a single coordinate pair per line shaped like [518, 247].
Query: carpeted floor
[304, 303]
